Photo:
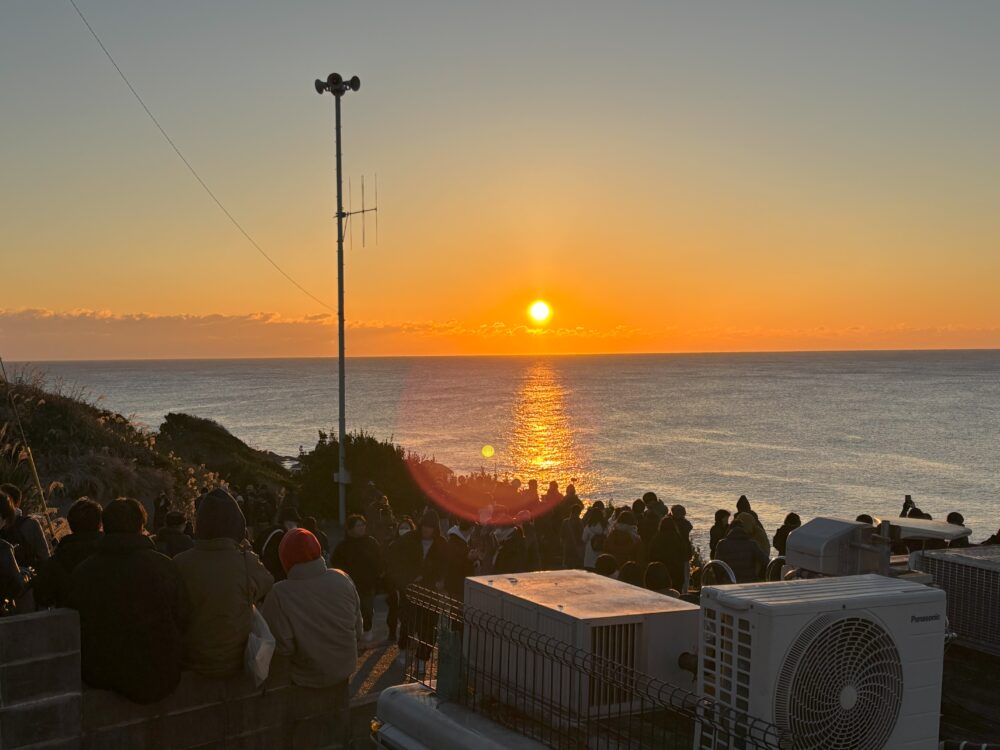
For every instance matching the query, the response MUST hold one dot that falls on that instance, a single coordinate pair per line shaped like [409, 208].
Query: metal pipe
[343, 477]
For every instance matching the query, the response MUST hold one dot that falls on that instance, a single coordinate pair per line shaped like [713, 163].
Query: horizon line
[683, 353]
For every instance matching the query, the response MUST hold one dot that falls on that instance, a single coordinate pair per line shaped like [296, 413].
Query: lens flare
[540, 311]
[488, 451]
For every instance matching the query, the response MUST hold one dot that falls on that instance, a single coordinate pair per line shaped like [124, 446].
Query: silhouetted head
[626, 518]
[956, 519]
[84, 515]
[743, 504]
[650, 498]
[793, 521]
[357, 526]
[123, 516]
[630, 573]
[405, 526]
[638, 507]
[678, 511]
[722, 517]
[606, 565]
[219, 517]
[657, 577]
[865, 518]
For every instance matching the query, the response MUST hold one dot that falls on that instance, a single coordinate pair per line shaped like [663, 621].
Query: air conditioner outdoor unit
[971, 578]
[630, 626]
[836, 547]
[848, 663]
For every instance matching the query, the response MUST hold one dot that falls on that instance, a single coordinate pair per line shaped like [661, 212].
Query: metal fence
[557, 694]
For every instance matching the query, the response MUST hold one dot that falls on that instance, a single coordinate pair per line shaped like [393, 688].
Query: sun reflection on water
[541, 444]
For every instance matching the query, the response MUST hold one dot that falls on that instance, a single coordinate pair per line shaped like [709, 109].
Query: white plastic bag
[260, 649]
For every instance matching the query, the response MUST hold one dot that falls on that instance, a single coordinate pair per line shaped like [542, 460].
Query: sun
[540, 311]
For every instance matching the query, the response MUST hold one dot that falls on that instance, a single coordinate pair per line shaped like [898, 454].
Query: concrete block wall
[43, 704]
[40, 695]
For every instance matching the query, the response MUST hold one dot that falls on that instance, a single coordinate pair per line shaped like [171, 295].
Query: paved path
[377, 667]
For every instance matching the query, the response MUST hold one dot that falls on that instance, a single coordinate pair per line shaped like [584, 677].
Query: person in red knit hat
[315, 617]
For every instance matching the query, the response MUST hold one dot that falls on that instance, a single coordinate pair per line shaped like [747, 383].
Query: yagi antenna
[365, 209]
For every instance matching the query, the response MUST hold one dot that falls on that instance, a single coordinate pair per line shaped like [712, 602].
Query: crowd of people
[184, 597]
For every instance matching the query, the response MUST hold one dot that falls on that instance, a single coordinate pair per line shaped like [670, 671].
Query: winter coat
[52, 583]
[221, 582]
[741, 553]
[572, 542]
[760, 538]
[590, 533]
[411, 564]
[623, 543]
[31, 546]
[780, 539]
[361, 558]
[715, 535]
[671, 549]
[171, 542]
[649, 525]
[399, 572]
[133, 613]
[315, 617]
[459, 565]
[512, 555]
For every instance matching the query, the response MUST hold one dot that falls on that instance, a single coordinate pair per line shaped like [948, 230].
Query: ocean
[814, 433]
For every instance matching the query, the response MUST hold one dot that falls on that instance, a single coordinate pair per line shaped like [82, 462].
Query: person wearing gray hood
[224, 580]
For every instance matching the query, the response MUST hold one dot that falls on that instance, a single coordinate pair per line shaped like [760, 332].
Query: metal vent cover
[971, 578]
[841, 686]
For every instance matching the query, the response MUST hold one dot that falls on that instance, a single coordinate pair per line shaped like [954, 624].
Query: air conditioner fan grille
[845, 688]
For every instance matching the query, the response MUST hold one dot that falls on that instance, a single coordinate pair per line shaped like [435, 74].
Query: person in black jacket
[52, 583]
[170, 540]
[397, 575]
[462, 559]
[133, 610]
[670, 548]
[780, 539]
[360, 556]
[718, 531]
[740, 552]
[13, 579]
[512, 555]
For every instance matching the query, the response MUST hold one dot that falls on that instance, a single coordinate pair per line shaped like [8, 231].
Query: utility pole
[337, 86]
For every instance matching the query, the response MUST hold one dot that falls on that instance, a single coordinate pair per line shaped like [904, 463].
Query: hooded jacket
[315, 617]
[741, 553]
[133, 612]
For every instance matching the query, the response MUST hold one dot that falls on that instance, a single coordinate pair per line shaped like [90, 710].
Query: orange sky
[675, 178]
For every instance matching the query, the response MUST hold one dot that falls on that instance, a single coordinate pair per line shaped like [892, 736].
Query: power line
[191, 169]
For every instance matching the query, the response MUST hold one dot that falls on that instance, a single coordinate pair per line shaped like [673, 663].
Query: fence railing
[560, 695]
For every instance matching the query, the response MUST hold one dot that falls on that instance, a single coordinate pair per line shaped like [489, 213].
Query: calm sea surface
[840, 433]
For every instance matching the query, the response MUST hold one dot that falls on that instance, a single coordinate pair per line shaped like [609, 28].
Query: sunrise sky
[668, 176]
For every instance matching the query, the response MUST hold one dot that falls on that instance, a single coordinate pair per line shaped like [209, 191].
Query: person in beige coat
[314, 615]
[223, 582]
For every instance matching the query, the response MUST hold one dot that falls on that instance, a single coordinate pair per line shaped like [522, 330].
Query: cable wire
[191, 169]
